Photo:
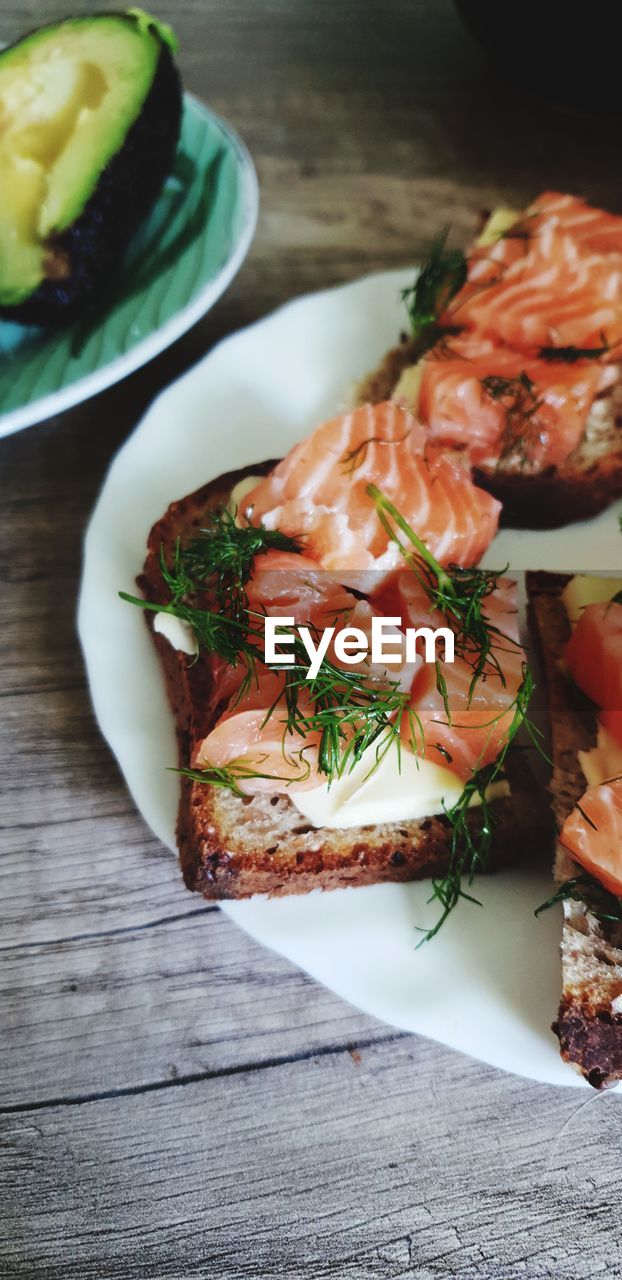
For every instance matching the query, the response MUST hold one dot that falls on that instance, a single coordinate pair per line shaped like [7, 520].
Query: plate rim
[99, 379]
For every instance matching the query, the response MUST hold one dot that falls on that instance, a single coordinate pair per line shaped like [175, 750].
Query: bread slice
[587, 482]
[232, 847]
[589, 1024]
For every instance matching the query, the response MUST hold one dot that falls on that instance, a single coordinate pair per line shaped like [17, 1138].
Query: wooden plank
[141, 1007]
[397, 1161]
[76, 857]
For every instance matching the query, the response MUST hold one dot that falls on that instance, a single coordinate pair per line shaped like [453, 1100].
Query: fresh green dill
[215, 632]
[213, 570]
[471, 841]
[459, 594]
[228, 777]
[220, 559]
[439, 279]
[521, 404]
[569, 355]
[354, 458]
[349, 711]
[584, 888]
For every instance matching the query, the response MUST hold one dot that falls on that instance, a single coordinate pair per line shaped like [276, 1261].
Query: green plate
[177, 265]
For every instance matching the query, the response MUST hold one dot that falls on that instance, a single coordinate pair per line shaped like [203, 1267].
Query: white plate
[489, 983]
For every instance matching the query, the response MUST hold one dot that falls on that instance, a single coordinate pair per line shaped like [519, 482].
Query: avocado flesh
[69, 95]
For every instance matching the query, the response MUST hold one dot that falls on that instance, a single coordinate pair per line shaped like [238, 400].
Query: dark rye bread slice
[587, 482]
[589, 1028]
[231, 847]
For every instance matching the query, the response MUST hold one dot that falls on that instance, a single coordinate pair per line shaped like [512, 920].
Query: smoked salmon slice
[494, 403]
[481, 713]
[319, 493]
[592, 833]
[593, 657]
[593, 230]
[553, 280]
[253, 734]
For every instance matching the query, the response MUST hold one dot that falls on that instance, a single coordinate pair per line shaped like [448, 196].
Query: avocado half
[90, 112]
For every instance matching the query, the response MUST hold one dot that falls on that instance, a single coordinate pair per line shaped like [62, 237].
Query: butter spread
[409, 386]
[401, 788]
[604, 761]
[178, 633]
[496, 226]
[583, 590]
[240, 490]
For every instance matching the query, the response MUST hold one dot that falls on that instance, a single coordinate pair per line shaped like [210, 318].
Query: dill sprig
[459, 594]
[586, 889]
[220, 558]
[348, 710]
[214, 631]
[569, 355]
[521, 404]
[227, 777]
[470, 845]
[354, 458]
[439, 279]
[214, 569]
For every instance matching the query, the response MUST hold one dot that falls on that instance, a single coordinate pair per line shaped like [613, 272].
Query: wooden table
[177, 1102]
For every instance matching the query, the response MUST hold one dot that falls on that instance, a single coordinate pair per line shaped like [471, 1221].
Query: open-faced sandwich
[513, 359]
[295, 778]
[579, 625]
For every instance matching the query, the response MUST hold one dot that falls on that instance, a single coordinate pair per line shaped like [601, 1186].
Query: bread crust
[584, 485]
[231, 847]
[589, 1029]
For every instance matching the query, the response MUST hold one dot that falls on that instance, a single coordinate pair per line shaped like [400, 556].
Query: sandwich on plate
[578, 621]
[299, 776]
[513, 360]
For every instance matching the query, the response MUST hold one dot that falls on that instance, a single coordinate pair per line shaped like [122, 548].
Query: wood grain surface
[174, 1100]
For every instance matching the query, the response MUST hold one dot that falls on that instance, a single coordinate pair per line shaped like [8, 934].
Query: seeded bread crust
[231, 847]
[589, 1030]
[587, 482]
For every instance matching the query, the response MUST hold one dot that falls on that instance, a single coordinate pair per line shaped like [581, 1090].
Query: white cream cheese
[604, 761]
[239, 492]
[178, 633]
[408, 387]
[498, 223]
[401, 788]
[584, 589]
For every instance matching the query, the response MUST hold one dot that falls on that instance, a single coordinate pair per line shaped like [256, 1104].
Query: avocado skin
[127, 189]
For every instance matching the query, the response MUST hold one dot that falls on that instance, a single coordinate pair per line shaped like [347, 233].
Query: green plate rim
[163, 336]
